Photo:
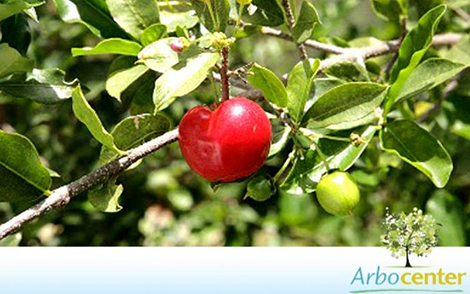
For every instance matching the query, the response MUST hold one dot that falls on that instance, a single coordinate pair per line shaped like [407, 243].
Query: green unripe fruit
[338, 193]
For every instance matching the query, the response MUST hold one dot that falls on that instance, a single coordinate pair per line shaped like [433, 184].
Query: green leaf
[122, 74]
[45, 86]
[424, 6]
[303, 28]
[281, 135]
[213, 17]
[13, 62]
[94, 14]
[16, 32]
[182, 79]
[132, 132]
[13, 7]
[447, 209]
[268, 13]
[31, 12]
[87, 115]
[419, 148]
[134, 16]
[106, 197]
[129, 133]
[143, 99]
[173, 20]
[345, 106]
[22, 176]
[391, 10]
[272, 87]
[153, 33]
[259, 188]
[310, 167]
[110, 46]
[459, 53]
[412, 50]
[159, 56]
[319, 87]
[298, 88]
[428, 75]
[348, 71]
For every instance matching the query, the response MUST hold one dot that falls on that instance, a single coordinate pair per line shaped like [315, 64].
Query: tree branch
[309, 43]
[290, 24]
[61, 196]
[224, 74]
[354, 54]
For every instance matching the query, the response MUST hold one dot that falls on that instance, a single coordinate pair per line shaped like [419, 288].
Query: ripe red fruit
[227, 144]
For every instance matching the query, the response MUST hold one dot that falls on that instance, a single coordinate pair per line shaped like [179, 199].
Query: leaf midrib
[21, 176]
[139, 17]
[342, 108]
[415, 159]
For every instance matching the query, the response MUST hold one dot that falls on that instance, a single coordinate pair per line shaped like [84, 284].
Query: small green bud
[259, 189]
[219, 41]
[338, 193]
[303, 141]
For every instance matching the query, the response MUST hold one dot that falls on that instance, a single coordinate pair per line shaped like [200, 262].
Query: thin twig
[382, 49]
[224, 74]
[290, 24]
[309, 43]
[462, 14]
[400, 41]
[61, 196]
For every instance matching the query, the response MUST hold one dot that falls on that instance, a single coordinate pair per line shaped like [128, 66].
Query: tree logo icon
[408, 233]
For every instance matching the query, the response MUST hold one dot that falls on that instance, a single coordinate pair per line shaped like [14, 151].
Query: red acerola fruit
[228, 143]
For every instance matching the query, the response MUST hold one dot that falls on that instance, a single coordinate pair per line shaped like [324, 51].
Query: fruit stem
[312, 135]
[333, 138]
[214, 87]
[240, 12]
[224, 74]
[323, 158]
[284, 167]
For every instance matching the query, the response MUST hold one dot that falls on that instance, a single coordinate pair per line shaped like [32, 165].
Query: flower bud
[219, 40]
[357, 139]
[179, 45]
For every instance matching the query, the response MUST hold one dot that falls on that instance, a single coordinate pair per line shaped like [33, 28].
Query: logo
[410, 233]
[405, 235]
[407, 278]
